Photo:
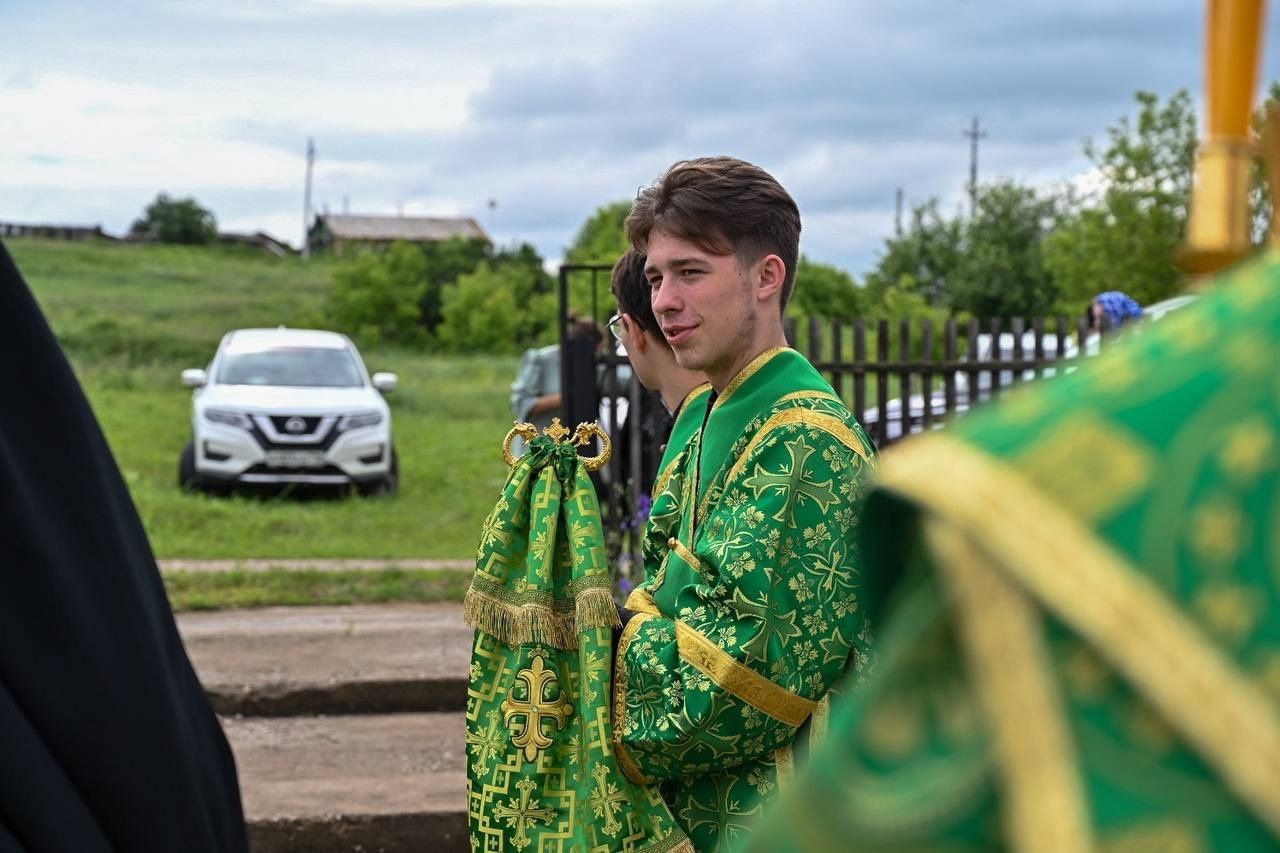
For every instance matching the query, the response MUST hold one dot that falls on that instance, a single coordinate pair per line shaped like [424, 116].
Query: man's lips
[677, 333]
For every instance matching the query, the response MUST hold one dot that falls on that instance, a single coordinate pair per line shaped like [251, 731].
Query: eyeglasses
[615, 326]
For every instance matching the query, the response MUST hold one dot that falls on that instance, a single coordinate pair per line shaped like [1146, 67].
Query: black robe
[107, 742]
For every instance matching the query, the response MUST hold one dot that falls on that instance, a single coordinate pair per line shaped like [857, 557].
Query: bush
[176, 220]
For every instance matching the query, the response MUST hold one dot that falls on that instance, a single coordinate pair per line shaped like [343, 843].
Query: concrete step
[387, 783]
[373, 659]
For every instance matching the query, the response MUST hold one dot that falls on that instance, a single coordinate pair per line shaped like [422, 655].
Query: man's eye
[655, 282]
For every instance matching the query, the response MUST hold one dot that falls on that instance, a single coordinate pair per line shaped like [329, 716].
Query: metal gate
[598, 385]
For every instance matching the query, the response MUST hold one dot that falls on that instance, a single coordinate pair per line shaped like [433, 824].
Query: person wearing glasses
[650, 355]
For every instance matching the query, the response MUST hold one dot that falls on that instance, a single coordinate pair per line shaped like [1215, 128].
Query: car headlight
[360, 419]
[223, 416]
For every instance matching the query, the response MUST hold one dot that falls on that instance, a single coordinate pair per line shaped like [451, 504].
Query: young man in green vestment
[749, 611]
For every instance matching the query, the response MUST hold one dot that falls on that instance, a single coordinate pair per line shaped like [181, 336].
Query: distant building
[54, 232]
[258, 240]
[336, 233]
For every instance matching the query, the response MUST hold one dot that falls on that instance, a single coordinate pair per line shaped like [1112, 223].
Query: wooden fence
[898, 378]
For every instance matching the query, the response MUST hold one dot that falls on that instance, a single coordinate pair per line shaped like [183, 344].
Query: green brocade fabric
[541, 772]
[749, 612]
[1080, 611]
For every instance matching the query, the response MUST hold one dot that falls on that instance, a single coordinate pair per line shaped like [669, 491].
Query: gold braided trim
[628, 764]
[821, 719]
[641, 601]
[557, 624]
[784, 762]
[665, 476]
[746, 684]
[829, 424]
[694, 394]
[752, 368]
[676, 842]
[1044, 805]
[807, 395]
[1125, 616]
[685, 554]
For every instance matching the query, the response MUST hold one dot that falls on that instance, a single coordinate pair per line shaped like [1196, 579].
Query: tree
[825, 291]
[446, 261]
[923, 259]
[1124, 235]
[181, 220]
[602, 238]
[1002, 273]
[498, 308]
[376, 297]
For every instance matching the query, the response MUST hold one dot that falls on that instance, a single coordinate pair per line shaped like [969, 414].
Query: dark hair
[631, 290]
[724, 206]
[586, 328]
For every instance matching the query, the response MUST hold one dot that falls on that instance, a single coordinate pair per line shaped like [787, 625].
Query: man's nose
[663, 299]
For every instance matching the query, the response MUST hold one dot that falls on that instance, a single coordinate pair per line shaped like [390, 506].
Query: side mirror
[385, 382]
[194, 378]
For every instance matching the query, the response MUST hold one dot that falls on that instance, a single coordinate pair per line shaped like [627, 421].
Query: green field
[131, 317]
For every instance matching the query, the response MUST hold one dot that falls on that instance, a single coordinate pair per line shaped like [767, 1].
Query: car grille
[317, 434]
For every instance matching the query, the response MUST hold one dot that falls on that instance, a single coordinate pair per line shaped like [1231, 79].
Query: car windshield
[302, 367]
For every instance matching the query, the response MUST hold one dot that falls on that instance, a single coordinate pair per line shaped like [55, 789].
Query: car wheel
[188, 479]
[388, 485]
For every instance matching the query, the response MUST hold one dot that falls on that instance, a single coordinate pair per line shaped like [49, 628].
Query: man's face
[705, 305]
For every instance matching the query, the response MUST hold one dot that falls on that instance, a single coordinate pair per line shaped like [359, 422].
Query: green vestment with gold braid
[1080, 588]
[749, 611]
[541, 772]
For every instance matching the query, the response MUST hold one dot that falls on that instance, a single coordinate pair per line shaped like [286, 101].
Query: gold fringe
[516, 625]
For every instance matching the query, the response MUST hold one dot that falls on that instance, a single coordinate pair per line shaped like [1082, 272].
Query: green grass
[279, 587]
[131, 317]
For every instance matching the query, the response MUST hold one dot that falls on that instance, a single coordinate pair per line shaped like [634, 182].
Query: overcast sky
[554, 108]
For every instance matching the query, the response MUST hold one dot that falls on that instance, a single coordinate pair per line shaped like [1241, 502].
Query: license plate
[294, 459]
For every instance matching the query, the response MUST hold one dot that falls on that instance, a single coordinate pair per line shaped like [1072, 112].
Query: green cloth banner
[541, 772]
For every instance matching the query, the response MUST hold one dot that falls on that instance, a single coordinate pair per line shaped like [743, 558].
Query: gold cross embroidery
[518, 815]
[544, 701]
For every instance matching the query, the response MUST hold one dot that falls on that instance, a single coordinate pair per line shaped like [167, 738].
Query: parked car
[280, 406]
[983, 391]
[1003, 378]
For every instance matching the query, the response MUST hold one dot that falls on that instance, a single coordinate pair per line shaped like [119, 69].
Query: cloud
[555, 108]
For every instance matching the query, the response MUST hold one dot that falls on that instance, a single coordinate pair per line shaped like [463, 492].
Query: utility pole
[306, 199]
[897, 214]
[974, 135]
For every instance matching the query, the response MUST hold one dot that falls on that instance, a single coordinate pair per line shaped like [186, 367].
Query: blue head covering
[1119, 307]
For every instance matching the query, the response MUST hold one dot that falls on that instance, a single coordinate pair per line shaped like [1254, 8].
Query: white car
[281, 406]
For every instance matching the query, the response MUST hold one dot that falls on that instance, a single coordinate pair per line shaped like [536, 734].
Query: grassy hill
[131, 317]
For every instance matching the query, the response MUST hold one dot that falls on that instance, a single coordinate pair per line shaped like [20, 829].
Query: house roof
[414, 228]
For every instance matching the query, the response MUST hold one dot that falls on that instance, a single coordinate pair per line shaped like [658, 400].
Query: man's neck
[678, 387]
[720, 379]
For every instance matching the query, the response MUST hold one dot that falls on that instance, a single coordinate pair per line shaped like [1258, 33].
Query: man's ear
[770, 277]
[636, 335]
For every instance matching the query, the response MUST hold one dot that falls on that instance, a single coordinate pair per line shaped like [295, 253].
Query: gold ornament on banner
[558, 433]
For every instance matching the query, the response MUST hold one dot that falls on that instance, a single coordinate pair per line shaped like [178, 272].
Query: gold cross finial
[557, 431]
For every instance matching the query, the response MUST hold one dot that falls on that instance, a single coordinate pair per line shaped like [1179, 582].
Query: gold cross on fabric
[544, 701]
[520, 814]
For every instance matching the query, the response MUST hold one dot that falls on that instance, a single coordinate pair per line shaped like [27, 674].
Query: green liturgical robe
[541, 771]
[749, 610]
[1080, 647]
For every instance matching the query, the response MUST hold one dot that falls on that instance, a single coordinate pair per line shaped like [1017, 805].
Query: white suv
[280, 406]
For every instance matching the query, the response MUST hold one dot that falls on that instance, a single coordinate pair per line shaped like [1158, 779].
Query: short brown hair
[631, 290]
[724, 206]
